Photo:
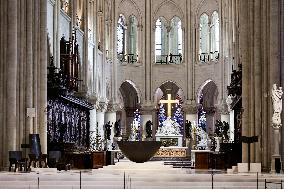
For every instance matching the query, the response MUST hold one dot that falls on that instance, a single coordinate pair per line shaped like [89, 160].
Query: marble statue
[276, 95]
[169, 127]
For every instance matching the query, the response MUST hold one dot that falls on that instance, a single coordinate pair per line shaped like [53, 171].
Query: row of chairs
[17, 159]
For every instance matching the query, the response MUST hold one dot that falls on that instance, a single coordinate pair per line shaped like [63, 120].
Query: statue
[149, 129]
[117, 128]
[226, 128]
[169, 127]
[202, 139]
[218, 129]
[108, 130]
[276, 95]
[188, 129]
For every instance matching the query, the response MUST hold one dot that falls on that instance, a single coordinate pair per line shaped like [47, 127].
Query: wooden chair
[15, 158]
[38, 161]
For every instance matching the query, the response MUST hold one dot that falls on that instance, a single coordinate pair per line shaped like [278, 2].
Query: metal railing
[127, 58]
[206, 57]
[169, 59]
[272, 182]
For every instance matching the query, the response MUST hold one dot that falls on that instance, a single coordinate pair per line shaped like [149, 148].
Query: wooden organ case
[68, 125]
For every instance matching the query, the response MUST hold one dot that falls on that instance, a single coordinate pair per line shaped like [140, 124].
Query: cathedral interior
[80, 75]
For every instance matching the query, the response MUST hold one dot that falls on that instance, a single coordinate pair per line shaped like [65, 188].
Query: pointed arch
[175, 9]
[123, 5]
[171, 86]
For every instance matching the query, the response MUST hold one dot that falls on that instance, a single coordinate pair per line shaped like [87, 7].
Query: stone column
[191, 113]
[110, 116]
[36, 64]
[3, 37]
[29, 73]
[101, 108]
[148, 61]
[243, 49]
[93, 119]
[276, 153]
[43, 77]
[93, 125]
[11, 90]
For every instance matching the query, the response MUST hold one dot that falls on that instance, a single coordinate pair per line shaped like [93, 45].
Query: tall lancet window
[121, 31]
[204, 38]
[161, 41]
[214, 41]
[175, 41]
[132, 39]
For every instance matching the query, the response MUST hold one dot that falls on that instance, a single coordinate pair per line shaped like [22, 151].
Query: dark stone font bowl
[139, 151]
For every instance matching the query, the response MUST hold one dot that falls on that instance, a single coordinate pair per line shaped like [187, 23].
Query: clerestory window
[121, 30]
[168, 41]
[214, 37]
[209, 38]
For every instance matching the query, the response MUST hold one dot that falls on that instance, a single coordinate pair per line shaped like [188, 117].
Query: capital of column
[147, 109]
[93, 99]
[222, 109]
[101, 106]
[276, 126]
[113, 107]
[190, 108]
[210, 110]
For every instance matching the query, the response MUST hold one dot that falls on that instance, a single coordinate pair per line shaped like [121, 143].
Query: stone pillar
[93, 125]
[11, 90]
[148, 50]
[36, 64]
[276, 154]
[232, 125]
[29, 68]
[93, 120]
[2, 80]
[43, 77]
[191, 113]
[110, 116]
[101, 108]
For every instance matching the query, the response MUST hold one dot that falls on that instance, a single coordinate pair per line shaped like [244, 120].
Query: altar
[169, 130]
[171, 152]
[170, 140]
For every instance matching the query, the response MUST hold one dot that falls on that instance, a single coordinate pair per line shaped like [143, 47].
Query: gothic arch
[209, 86]
[175, 89]
[130, 98]
[131, 83]
[203, 4]
[126, 4]
[174, 6]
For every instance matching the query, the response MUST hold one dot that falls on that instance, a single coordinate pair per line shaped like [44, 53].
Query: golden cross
[169, 102]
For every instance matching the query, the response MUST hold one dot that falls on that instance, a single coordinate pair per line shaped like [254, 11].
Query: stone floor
[150, 175]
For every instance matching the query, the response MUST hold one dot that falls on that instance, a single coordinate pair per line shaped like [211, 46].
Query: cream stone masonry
[251, 34]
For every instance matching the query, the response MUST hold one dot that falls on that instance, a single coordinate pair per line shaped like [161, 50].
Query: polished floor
[150, 175]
